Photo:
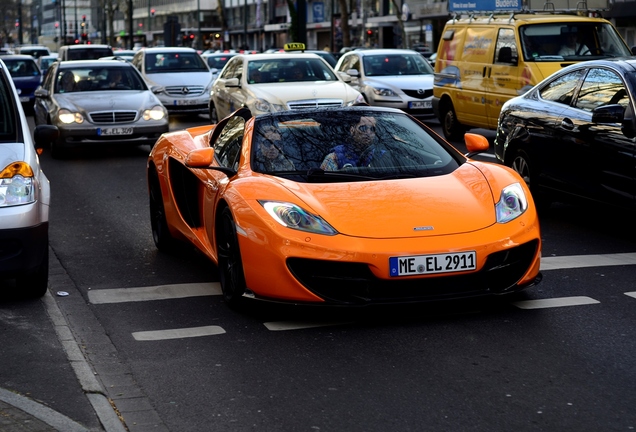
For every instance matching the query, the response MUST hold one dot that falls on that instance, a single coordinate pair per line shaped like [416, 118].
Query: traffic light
[17, 23]
[152, 13]
[84, 36]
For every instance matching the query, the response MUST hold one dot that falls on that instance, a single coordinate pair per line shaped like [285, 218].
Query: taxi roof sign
[294, 46]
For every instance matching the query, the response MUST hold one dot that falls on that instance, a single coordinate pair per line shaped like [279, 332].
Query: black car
[574, 134]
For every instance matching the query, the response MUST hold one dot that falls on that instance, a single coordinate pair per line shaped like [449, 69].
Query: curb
[85, 375]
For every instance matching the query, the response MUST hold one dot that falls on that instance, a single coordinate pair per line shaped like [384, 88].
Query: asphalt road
[557, 357]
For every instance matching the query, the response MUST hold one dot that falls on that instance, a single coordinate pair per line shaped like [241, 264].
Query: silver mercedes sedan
[98, 102]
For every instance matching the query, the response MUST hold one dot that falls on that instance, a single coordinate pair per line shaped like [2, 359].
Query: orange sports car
[343, 206]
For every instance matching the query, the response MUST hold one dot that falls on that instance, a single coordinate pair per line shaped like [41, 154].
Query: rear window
[22, 68]
[88, 53]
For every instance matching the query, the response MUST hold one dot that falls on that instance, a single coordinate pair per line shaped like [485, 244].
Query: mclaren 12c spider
[343, 206]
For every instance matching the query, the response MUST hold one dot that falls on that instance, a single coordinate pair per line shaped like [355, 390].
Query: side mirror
[232, 82]
[41, 93]
[608, 114]
[353, 73]
[43, 135]
[203, 158]
[475, 144]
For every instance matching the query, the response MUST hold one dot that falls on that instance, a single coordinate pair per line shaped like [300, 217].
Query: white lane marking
[161, 292]
[296, 325]
[579, 261]
[178, 333]
[631, 294]
[555, 302]
[164, 292]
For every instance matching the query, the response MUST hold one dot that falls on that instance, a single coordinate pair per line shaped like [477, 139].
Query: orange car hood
[454, 203]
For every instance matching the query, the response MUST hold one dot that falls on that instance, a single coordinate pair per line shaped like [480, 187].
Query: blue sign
[319, 11]
[484, 5]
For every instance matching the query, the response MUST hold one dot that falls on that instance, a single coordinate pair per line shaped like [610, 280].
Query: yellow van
[484, 61]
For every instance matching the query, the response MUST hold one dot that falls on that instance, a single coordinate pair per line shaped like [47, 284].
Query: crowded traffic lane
[471, 365]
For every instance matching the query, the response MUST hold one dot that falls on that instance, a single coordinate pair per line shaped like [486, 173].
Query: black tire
[35, 284]
[452, 128]
[160, 231]
[524, 166]
[214, 116]
[230, 264]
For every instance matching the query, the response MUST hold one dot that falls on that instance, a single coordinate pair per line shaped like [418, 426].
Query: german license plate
[420, 104]
[430, 264]
[115, 131]
[185, 101]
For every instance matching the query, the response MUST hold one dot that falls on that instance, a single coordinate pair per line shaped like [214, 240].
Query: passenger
[359, 151]
[256, 76]
[67, 82]
[572, 47]
[269, 156]
[115, 77]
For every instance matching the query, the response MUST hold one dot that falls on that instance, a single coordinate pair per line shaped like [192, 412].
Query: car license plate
[24, 98]
[430, 264]
[115, 131]
[185, 101]
[421, 105]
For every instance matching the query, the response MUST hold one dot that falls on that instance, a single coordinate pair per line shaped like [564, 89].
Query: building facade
[244, 24]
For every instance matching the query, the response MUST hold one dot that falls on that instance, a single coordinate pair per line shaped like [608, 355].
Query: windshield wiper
[320, 174]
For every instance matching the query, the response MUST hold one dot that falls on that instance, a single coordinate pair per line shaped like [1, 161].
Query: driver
[358, 151]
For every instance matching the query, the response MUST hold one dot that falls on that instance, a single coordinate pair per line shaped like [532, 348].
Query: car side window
[8, 132]
[506, 49]
[601, 87]
[562, 89]
[228, 146]
[231, 70]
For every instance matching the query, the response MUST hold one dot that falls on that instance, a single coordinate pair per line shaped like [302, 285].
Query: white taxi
[267, 83]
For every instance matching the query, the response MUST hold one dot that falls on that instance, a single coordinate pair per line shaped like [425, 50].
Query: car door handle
[566, 123]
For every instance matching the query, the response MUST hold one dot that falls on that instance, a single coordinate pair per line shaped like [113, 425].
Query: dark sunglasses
[365, 128]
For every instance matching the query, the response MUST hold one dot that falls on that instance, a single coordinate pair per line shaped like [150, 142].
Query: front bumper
[79, 135]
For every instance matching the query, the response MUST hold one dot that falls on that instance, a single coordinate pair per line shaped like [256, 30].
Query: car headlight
[358, 99]
[384, 92]
[69, 117]
[157, 112]
[294, 217]
[16, 185]
[263, 106]
[513, 203]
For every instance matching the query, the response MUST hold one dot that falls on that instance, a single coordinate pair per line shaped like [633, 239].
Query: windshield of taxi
[97, 78]
[170, 62]
[348, 145]
[575, 41]
[285, 71]
[390, 65]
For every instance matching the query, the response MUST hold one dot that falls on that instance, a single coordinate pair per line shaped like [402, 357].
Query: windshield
[218, 61]
[175, 62]
[571, 41]
[389, 65]
[22, 68]
[354, 145]
[97, 78]
[284, 70]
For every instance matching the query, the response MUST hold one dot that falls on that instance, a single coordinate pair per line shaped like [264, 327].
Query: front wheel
[35, 284]
[524, 166]
[452, 128]
[230, 263]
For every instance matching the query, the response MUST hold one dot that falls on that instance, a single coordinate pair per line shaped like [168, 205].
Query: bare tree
[344, 23]
[398, 12]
